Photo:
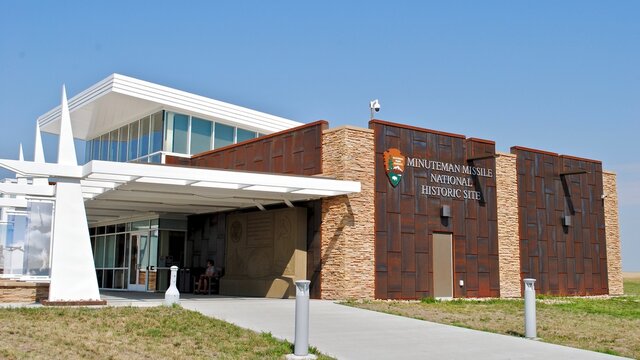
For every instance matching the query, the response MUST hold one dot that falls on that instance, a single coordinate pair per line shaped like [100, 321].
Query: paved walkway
[350, 333]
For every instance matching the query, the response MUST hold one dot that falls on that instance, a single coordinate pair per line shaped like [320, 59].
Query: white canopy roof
[115, 190]
[119, 100]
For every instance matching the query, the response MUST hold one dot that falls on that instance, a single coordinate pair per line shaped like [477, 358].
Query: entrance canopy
[114, 190]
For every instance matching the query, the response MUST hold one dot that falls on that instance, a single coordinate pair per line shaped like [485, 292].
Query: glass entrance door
[139, 262]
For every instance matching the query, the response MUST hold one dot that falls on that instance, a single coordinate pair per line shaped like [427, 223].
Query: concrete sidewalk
[350, 333]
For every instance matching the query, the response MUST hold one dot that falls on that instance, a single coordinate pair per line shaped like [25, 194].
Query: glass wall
[146, 139]
[119, 253]
[25, 240]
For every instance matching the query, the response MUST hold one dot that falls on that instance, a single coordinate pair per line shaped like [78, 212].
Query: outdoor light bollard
[301, 343]
[172, 296]
[530, 309]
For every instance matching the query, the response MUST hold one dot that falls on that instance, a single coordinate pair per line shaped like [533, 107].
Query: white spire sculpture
[38, 150]
[38, 156]
[73, 276]
[21, 179]
[66, 149]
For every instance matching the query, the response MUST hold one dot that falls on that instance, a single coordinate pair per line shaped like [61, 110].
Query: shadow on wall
[346, 220]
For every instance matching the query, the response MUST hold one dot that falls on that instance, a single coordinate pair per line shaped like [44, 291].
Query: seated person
[209, 274]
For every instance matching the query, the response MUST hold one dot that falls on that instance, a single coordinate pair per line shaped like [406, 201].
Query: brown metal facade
[565, 260]
[296, 151]
[405, 219]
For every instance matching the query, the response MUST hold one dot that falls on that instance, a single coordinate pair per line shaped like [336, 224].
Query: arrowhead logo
[394, 165]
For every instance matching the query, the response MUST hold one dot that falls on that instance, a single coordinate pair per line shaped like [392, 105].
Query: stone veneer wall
[13, 291]
[347, 246]
[508, 238]
[614, 259]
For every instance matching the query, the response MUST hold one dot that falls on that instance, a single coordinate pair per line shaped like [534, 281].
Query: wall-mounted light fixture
[288, 203]
[566, 220]
[445, 211]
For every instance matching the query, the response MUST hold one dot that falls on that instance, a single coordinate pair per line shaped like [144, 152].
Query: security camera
[375, 105]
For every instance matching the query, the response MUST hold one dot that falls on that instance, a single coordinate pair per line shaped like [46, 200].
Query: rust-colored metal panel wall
[405, 218]
[565, 260]
[296, 151]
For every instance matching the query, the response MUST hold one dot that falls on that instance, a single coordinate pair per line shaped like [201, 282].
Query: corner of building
[612, 226]
[347, 246]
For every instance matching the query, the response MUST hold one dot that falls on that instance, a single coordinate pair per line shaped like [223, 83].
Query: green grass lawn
[610, 325]
[129, 333]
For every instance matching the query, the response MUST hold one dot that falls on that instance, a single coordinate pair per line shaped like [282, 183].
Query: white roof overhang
[119, 100]
[116, 190]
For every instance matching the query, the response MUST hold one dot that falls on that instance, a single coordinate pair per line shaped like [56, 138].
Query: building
[388, 212]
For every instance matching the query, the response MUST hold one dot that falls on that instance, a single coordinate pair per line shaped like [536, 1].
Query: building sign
[445, 179]
[394, 163]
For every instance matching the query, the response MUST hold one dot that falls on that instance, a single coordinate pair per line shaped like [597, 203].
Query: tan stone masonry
[347, 246]
[508, 237]
[612, 226]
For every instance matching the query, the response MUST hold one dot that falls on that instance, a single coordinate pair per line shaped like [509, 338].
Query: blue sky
[556, 75]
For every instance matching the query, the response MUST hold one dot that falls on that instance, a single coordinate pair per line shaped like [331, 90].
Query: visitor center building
[391, 211]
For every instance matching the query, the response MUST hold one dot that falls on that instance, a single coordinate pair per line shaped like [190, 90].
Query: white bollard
[172, 296]
[301, 343]
[530, 309]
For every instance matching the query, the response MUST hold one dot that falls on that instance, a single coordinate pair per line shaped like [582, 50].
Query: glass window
[155, 159]
[244, 135]
[176, 129]
[108, 279]
[180, 130]
[140, 225]
[104, 147]
[95, 152]
[122, 143]
[156, 131]
[153, 249]
[200, 135]
[113, 146]
[223, 135]
[118, 279]
[144, 136]
[110, 252]
[87, 151]
[99, 259]
[121, 248]
[133, 140]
